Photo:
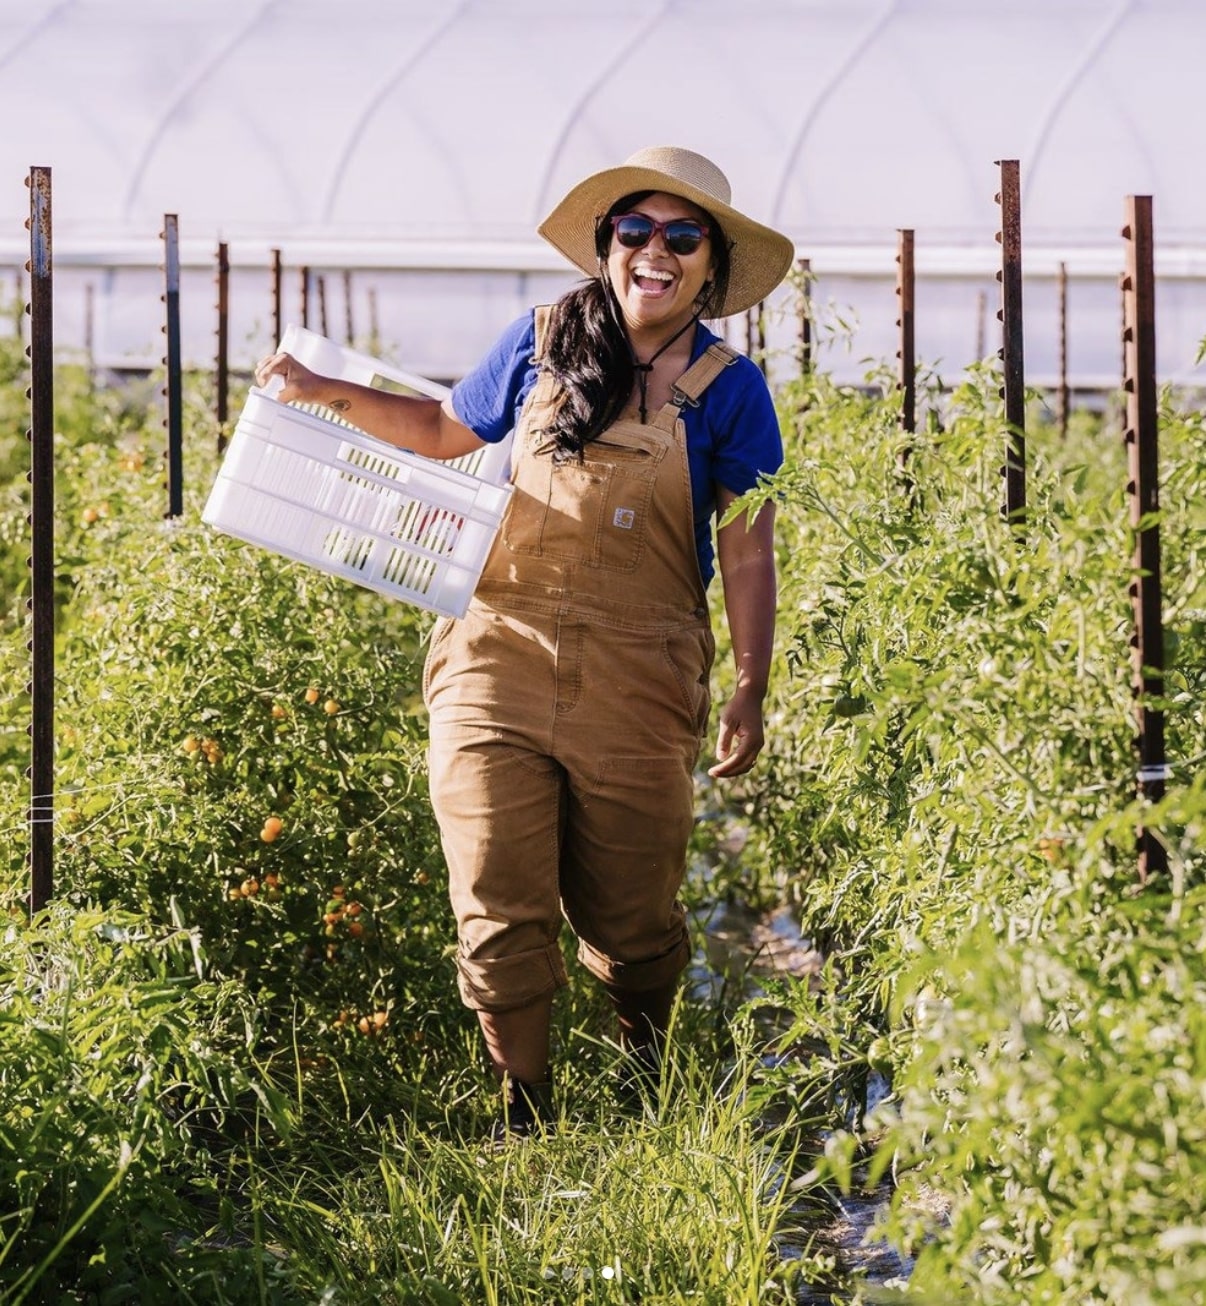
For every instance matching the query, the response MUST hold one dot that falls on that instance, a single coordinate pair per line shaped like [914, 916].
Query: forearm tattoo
[340, 405]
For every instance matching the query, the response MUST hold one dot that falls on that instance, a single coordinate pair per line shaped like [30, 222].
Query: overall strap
[545, 388]
[543, 314]
[706, 368]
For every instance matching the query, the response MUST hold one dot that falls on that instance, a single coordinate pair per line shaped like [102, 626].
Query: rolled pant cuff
[636, 976]
[507, 983]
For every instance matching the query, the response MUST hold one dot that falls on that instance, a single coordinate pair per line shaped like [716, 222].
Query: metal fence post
[1010, 314]
[805, 267]
[1141, 436]
[374, 322]
[41, 521]
[277, 307]
[90, 334]
[175, 407]
[1064, 393]
[222, 374]
[906, 353]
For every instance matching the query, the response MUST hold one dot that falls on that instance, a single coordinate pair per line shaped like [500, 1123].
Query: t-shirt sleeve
[747, 440]
[488, 399]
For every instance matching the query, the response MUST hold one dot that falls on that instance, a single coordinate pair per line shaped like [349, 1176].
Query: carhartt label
[624, 519]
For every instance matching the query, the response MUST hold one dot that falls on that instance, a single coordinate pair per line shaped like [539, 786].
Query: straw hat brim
[759, 256]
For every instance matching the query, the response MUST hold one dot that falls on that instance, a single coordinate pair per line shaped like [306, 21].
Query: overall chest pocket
[594, 513]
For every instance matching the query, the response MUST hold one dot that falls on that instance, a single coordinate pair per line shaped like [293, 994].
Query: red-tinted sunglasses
[635, 231]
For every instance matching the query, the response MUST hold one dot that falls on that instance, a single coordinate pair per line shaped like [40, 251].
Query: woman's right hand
[300, 384]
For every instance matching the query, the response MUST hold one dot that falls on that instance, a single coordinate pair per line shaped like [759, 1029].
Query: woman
[568, 705]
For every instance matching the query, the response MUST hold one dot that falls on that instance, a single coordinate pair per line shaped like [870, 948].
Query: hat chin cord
[643, 369]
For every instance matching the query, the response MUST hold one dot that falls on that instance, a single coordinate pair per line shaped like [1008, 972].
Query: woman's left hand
[740, 737]
[746, 553]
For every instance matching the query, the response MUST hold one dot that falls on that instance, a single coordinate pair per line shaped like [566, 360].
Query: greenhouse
[399, 155]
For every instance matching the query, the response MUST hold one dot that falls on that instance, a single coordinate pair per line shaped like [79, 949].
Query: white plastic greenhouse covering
[416, 144]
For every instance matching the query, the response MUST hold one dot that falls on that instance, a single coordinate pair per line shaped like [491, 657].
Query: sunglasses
[635, 231]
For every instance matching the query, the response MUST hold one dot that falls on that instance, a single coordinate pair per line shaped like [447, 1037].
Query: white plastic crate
[303, 484]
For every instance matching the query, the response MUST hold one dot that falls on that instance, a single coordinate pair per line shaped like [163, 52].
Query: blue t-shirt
[732, 436]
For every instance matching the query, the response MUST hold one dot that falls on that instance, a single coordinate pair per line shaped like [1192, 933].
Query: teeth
[653, 275]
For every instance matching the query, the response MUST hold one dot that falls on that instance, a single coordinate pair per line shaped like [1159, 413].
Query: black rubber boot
[527, 1109]
[643, 1019]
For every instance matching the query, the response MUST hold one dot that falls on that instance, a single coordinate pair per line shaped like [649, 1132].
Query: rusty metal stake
[173, 390]
[906, 354]
[222, 373]
[906, 375]
[1010, 315]
[1141, 436]
[1123, 318]
[1064, 394]
[90, 334]
[805, 267]
[755, 335]
[277, 307]
[41, 521]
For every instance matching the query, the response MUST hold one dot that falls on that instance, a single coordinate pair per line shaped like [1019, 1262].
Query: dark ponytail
[589, 357]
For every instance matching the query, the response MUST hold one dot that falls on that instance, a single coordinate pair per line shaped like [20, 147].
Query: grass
[686, 1201]
[175, 1166]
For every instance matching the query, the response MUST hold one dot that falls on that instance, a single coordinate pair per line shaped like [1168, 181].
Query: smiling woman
[662, 269]
[568, 706]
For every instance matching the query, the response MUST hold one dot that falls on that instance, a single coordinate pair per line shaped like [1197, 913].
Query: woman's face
[655, 287]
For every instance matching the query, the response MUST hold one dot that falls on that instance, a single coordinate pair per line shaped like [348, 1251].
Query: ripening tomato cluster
[370, 1026]
[251, 887]
[345, 917]
[197, 747]
[331, 706]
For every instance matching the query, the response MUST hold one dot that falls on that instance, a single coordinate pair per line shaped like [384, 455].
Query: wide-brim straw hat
[759, 256]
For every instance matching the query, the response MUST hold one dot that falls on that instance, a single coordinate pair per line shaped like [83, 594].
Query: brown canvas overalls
[567, 710]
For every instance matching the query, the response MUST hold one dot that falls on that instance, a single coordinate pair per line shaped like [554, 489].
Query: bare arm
[418, 423]
[747, 568]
